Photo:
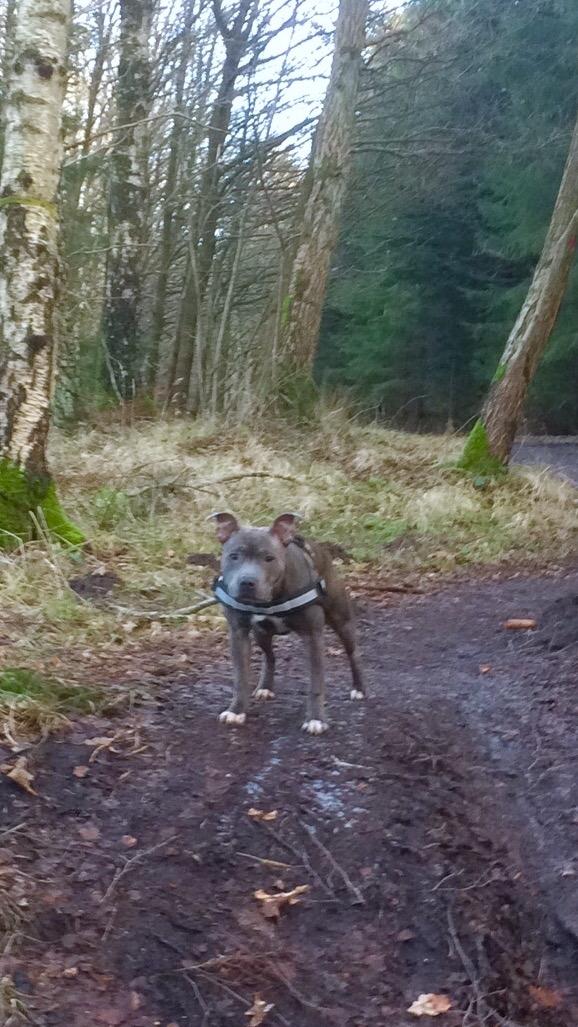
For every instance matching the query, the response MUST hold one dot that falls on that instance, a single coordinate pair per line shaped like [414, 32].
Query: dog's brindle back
[260, 565]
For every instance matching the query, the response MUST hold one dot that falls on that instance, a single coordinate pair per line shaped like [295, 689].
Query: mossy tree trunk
[489, 445]
[128, 200]
[326, 184]
[34, 90]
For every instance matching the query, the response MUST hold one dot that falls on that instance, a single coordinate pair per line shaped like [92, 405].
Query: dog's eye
[269, 558]
[233, 556]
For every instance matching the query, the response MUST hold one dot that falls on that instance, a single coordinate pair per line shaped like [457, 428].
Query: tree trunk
[235, 38]
[29, 267]
[167, 241]
[490, 442]
[326, 185]
[127, 201]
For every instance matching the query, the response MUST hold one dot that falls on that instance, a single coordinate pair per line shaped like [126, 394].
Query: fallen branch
[351, 887]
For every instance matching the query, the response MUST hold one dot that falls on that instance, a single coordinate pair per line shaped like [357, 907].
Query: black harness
[276, 607]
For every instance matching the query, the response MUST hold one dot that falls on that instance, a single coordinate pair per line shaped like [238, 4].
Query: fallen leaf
[81, 771]
[274, 903]
[545, 997]
[71, 971]
[520, 624]
[20, 774]
[485, 668]
[136, 1000]
[430, 1005]
[406, 935]
[261, 815]
[111, 1017]
[128, 841]
[258, 1011]
[89, 832]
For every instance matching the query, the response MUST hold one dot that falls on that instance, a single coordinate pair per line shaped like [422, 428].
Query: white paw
[315, 727]
[263, 693]
[356, 694]
[234, 719]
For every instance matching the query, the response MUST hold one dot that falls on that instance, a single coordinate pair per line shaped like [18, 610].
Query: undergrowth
[395, 502]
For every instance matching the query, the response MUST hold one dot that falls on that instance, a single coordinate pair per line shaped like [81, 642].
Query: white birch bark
[29, 228]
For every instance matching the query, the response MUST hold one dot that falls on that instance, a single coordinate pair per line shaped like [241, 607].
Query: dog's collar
[297, 602]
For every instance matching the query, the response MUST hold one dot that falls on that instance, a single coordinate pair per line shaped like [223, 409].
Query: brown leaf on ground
[129, 841]
[89, 832]
[545, 997]
[485, 668]
[20, 774]
[406, 935]
[111, 1017]
[520, 624]
[274, 903]
[258, 1011]
[81, 771]
[261, 815]
[430, 1005]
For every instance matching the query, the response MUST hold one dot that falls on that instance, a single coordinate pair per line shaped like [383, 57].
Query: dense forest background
[463, 134]
[188, 131]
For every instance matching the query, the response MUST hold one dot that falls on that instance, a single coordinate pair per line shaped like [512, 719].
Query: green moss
[26, 503]
[286, 310]
[477, 457]
[27, 201]
[500, 373]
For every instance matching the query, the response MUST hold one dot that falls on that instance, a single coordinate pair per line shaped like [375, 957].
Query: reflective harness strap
[298, 602]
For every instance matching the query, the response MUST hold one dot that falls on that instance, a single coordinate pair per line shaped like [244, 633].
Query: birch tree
[127, 204]
[490, 442]
[325, 192]
[35, 86]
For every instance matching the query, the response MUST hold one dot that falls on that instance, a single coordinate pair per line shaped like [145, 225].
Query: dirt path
[559, 455]
[436, 828]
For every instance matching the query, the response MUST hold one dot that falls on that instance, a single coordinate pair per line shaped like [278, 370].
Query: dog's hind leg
[345, 631]
[266, 687]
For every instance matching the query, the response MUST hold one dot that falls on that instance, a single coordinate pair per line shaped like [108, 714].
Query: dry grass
[142, 494]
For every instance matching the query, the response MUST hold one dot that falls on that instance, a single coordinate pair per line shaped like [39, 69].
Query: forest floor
[432, 831]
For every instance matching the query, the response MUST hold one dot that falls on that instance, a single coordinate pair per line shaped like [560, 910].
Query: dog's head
[253, 559]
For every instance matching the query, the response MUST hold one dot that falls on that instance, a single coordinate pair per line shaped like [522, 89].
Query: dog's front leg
[241, 658]
[315, 723]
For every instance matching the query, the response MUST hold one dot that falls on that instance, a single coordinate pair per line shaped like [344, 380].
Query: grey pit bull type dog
[270, 565]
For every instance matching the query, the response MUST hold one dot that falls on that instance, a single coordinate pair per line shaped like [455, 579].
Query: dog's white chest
[274, 624]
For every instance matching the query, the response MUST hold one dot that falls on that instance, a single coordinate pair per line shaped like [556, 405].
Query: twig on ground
[351, 887]
[301, 856]
[274, 863]
[482, 1007]
[138, 858]
[203, 1005]
[12, 830]
[448, 877]
[278, 975]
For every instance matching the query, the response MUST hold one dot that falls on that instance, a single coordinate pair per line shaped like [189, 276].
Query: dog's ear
[225, 525]
[285, 526]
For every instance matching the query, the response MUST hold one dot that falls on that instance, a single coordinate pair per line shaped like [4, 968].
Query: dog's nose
[248, 586]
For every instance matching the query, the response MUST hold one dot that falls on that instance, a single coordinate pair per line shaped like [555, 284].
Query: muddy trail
[433, 832]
